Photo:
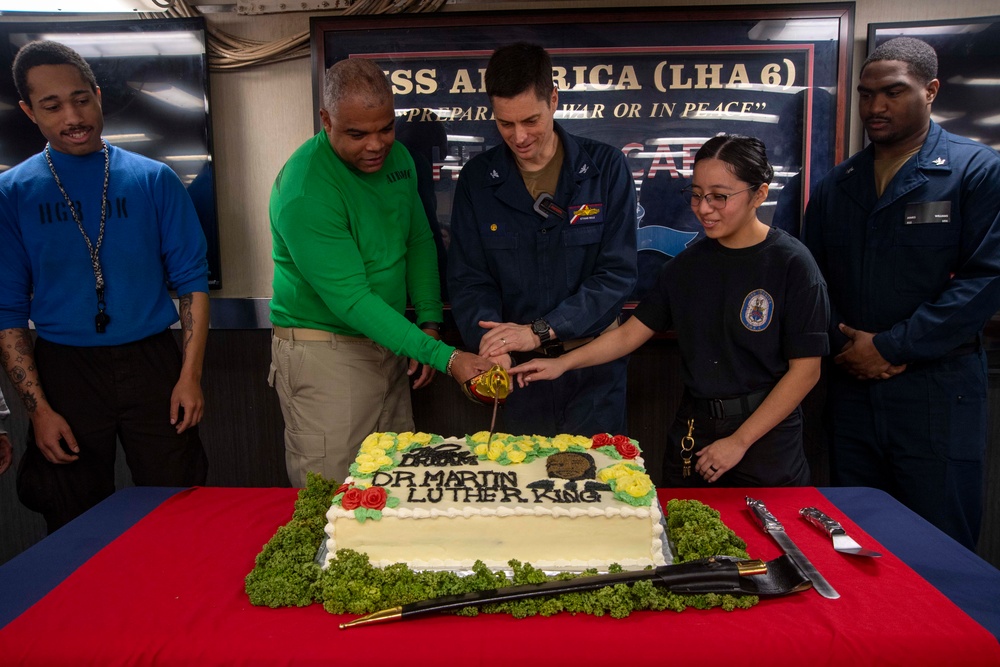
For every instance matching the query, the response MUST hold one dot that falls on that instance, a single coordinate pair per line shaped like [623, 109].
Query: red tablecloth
[169, 591]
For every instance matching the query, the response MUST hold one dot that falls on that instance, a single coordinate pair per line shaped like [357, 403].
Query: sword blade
[773, 527]
[493, 421]
[819, 582]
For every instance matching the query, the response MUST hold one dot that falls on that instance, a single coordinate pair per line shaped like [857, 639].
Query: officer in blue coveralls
[907, 233]
[543, 250]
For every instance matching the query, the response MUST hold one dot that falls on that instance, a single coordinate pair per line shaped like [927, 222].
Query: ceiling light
[119, 45]
[795, 30]
[128, 138]
[172, 95]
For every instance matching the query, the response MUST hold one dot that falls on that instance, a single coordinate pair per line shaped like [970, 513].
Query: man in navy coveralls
[907, 233]
[543, 250]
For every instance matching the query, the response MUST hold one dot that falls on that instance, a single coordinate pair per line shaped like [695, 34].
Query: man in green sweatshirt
[351, 242]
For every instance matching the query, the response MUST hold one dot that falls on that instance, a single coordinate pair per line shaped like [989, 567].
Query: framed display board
[968, 50]
[656, 83]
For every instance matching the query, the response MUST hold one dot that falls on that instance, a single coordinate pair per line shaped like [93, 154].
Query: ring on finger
[503, 340]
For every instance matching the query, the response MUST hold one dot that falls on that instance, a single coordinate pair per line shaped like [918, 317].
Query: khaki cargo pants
[333, 393]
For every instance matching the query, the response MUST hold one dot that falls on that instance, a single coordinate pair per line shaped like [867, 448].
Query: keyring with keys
[687, 446]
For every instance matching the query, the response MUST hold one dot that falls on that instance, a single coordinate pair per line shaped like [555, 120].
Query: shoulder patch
[757, 310]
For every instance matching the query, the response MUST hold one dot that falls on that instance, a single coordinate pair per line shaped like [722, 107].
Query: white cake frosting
[567, 502]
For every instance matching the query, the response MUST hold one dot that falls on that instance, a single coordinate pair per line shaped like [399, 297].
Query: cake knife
[842, 542]
[774, 528]
[717, 574]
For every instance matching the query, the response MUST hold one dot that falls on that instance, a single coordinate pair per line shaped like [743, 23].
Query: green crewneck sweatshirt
[348, 249]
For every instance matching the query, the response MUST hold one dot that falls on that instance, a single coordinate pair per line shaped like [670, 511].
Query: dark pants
[920, 436]
[106, 394]
[581, 402]
[776, 459]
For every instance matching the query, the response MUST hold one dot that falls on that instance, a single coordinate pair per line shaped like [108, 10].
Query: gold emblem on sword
[491, 387]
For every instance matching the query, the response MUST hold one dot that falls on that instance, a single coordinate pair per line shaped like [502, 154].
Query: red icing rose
[620, 440]
[373, 498]
[627, 450]
[343, 487]
[351, 499]
[602, 439]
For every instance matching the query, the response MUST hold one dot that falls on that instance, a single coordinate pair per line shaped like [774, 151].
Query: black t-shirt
[741, 314]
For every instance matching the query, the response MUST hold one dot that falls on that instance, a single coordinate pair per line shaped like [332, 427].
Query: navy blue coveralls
[919, 267]
[508, 263]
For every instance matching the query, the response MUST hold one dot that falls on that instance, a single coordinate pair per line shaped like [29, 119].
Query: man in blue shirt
[93, 235]
[543, 249]
[907, 233]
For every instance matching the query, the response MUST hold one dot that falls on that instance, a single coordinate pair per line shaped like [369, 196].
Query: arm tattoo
[187, 321]
[18, 357]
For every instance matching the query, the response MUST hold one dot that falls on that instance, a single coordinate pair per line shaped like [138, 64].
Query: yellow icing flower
[480, 449]
[515, 455]
[636, 485]
[371, 439]
[496, 450]
[616, 471]
[367, 468]
[371, 462]
[562, 442]
[403, 439]
[480, 436]
[522, 444]
[372, 447]
[583, 441]
[420, 437]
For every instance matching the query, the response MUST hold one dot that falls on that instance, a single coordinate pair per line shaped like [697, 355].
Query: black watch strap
[434, 326]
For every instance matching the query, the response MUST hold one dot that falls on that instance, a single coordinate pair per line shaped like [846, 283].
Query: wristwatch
[541, 329]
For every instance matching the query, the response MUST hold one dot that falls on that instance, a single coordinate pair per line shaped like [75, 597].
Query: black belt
[730, 408]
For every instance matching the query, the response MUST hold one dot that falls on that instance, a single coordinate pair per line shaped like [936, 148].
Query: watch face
[541, 329]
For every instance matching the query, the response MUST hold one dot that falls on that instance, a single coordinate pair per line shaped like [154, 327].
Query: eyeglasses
[714, 200]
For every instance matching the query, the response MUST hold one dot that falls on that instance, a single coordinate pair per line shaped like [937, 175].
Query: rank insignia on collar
[586, 213]
[583, 169]
[939, 161]
[494, 174]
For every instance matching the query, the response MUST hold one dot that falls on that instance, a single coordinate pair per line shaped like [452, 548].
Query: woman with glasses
[750, 311]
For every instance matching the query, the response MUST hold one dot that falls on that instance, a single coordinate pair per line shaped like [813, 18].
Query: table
[155, 576]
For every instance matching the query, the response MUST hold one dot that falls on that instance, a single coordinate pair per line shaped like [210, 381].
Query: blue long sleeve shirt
[153, 242]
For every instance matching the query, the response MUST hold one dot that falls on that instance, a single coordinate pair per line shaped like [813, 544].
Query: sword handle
[817, 518]
[763, 516]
